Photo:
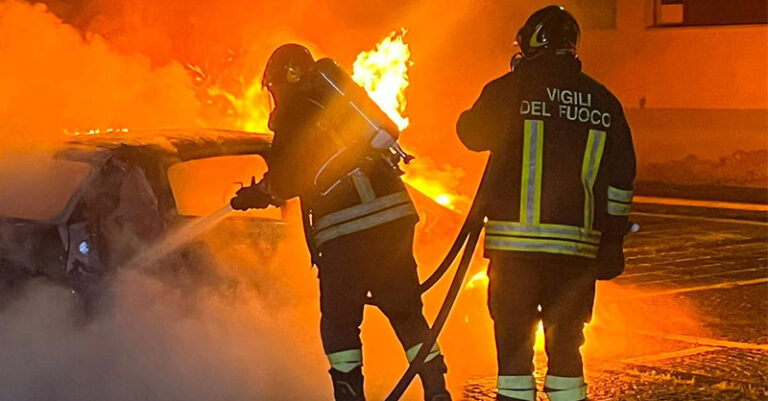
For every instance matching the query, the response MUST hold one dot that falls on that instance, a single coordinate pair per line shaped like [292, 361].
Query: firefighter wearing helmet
[359, 224]
[559, 190]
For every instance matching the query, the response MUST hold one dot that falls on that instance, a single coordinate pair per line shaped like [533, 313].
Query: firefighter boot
[348, 386]
[433, 379]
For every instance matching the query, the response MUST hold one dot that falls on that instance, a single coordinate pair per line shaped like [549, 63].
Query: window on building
[710, 12]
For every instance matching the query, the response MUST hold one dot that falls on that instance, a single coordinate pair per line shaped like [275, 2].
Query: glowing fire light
[383, 73]
[443, 199]
[479, 280]
[95, 131]
[539, 345]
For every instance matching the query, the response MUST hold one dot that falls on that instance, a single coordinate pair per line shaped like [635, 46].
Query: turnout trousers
[524, 289]
[380, 261]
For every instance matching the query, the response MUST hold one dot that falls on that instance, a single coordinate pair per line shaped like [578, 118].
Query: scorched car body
[121, 201]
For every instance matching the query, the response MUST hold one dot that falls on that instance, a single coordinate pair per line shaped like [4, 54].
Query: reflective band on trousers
[364, 223]
[433, 353]
[345, 361]
[619, 195]
[618, 209]
[542, 230]
[560, 388]
[518, 387]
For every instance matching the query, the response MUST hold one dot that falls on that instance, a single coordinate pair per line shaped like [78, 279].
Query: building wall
[687, 90]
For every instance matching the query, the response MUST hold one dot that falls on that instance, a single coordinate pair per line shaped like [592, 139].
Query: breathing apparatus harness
[380, 140]
[377, 139]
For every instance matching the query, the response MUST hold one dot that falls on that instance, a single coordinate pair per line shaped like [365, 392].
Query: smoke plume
[212, 336]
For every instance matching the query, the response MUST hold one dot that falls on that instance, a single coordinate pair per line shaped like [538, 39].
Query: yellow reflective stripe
[574, 394]
[559, 388]
[619, 195]
[523, 395]
[364, 223]
[550, 238]
[361, 210]
[538, 132]
[363, 186]
[618, 209]
[533, 150]
[562, 382]
[525, 171]
[589, 168]
[523, 382]
[563, 247]
[433, 353]
[345, 361]
[542, 230]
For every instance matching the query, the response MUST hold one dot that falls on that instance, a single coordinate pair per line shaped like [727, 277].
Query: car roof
[169, 144]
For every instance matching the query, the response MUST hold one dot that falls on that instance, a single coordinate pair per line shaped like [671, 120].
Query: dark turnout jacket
[562, 164]
[313, 123]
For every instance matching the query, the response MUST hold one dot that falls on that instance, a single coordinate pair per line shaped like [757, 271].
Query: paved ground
[695, 300]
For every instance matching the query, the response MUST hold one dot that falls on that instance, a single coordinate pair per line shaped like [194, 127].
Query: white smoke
[155, 340]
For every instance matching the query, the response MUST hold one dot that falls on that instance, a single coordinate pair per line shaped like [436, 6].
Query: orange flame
[383, 73]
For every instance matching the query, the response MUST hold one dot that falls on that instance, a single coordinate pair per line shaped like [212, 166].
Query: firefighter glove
[251, 197]
[610, 257]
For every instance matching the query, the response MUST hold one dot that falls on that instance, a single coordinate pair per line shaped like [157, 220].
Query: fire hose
[467, 238]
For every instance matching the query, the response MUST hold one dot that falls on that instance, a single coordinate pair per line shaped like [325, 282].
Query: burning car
[79, 213]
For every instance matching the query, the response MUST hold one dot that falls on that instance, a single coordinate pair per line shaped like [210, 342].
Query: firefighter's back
[548, 178]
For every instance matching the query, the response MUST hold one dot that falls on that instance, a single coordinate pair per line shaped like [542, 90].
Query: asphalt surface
[688, 320]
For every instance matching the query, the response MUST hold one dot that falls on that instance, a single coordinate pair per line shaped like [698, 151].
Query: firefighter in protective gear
[359, 230]
[561, 175]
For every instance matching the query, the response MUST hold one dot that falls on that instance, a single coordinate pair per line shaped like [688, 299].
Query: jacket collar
[549, 64]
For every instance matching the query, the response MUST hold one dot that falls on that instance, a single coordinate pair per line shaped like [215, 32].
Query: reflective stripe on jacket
[562, 163]
[369, 214]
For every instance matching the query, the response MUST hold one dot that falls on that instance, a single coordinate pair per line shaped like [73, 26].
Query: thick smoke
[206, 336]
[220, 334]
[55, 79]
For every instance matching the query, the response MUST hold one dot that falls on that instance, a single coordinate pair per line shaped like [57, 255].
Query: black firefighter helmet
[286, 65]
[551, 29]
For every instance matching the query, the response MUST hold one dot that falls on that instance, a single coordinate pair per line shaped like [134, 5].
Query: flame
[96, 131]
[539, 345]
[439, 182]
[479, 280]
[240, 103]
[383, 73]
[250, 111]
